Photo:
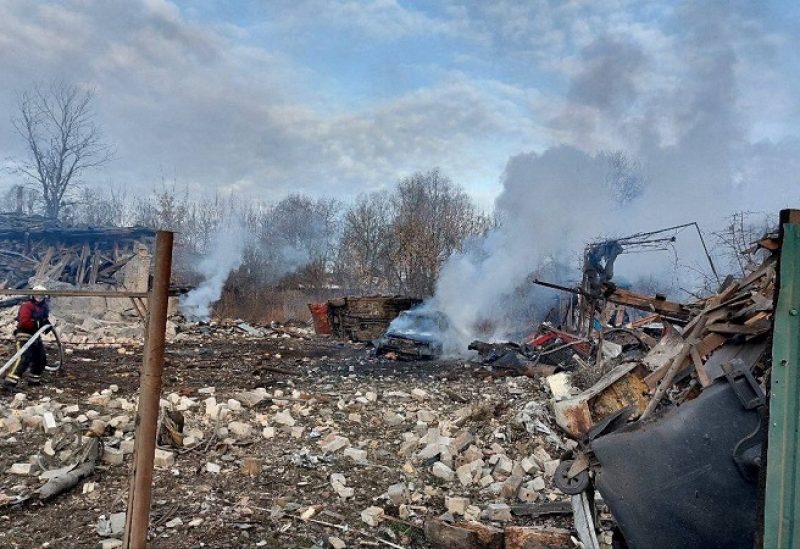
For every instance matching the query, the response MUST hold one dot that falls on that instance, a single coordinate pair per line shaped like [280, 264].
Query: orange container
[319, 314]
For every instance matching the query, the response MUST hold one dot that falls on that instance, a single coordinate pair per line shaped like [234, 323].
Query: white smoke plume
[225, 255]
[677, 117]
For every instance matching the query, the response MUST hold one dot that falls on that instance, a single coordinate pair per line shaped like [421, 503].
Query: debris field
[288, 440]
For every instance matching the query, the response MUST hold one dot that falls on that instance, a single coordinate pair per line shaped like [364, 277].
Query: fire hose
[30, 342]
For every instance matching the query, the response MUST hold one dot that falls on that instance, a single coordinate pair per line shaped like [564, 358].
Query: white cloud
[208, 103]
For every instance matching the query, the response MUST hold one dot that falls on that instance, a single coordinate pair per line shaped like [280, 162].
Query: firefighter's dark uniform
[32, 315]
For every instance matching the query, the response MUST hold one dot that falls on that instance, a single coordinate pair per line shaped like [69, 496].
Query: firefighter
[32, 315]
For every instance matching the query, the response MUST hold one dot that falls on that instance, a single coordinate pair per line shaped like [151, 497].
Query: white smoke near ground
[687, 144]
[225, 254]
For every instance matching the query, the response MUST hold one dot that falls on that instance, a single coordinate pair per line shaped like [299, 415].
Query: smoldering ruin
[596, 349]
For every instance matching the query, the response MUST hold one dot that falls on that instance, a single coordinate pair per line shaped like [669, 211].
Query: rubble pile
[40, 248]
[291, 440]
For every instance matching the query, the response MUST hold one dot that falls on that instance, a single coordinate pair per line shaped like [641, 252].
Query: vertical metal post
[138, 514]
[782, 495]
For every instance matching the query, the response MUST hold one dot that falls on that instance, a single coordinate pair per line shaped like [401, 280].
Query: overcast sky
[337, 97]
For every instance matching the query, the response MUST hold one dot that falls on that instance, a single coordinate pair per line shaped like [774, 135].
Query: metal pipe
[139, 497]
[708, 255]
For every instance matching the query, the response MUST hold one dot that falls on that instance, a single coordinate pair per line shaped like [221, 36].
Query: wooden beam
[652, 304]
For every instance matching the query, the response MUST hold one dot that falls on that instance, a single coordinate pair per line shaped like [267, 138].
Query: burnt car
[414, 335]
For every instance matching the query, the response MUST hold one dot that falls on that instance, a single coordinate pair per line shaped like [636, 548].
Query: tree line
[390, 241]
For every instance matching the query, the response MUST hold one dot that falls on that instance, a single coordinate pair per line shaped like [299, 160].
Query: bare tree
[364, 244]
[62, 138]
[432, 219]
[21, 200]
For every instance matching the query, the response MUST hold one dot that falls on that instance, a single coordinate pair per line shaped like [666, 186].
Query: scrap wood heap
[35, 247]
[731, 325]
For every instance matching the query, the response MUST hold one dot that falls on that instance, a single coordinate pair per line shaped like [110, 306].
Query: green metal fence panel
[782, 497]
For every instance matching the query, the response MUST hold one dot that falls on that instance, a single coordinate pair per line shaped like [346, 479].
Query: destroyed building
[38, 250]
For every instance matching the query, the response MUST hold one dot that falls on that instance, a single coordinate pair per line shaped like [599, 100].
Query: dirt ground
[337, 387]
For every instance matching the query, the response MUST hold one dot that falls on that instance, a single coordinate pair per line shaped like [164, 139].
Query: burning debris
[360, 319]
[415, 334]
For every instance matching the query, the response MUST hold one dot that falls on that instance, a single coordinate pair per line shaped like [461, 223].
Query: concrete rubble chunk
[12, 425]
[249, 398]
[127, 445]
[529, 464]
[456, 505]
[426, 416]
[419, 394]
[538, 484]
[504, 466]
[431, 451]
[512, 484]
[212, 408]
[284, 418]
[372, 516]
[240, 429]
[22, 469]
[213, 468]
[339, 485]
[49, 423]
[164, 459]
[268, 432]
[336, 543]
[465, 474]
[111, 543]
[112, 525]
[333, 443]
[442, 471]
[357, 455]
[397, 493]
[393, 419]
[461, 442]
[113, 456]
[497, 512]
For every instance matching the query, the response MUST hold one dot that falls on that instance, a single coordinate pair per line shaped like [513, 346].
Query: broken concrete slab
[442, 471]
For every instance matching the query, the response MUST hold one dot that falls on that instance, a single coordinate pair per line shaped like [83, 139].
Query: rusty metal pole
[138, 513]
